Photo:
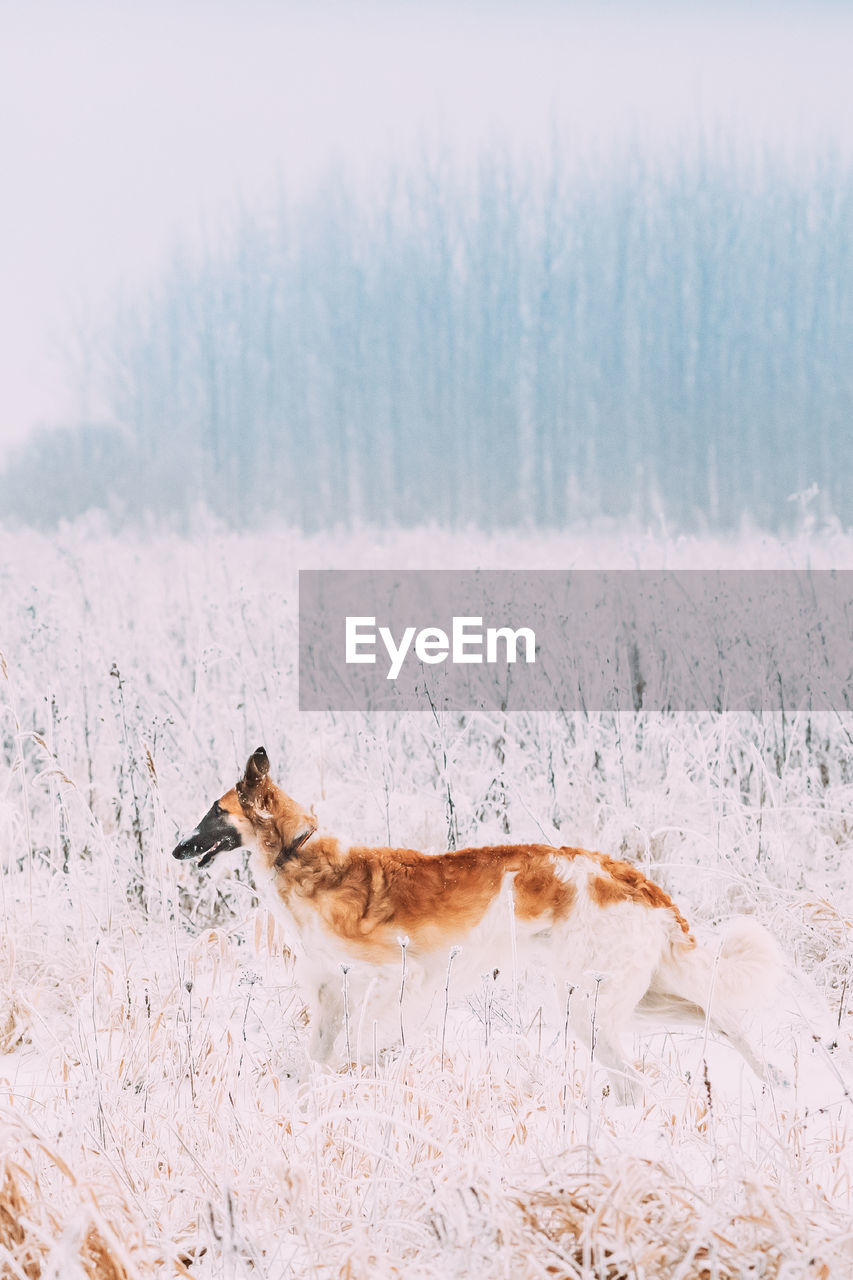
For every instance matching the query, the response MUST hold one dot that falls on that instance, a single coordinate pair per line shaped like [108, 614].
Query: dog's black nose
[190, 847]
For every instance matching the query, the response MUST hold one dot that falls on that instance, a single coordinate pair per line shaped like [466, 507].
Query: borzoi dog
[594, 922]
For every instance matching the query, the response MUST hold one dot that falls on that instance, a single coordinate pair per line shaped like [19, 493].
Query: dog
[613, 936]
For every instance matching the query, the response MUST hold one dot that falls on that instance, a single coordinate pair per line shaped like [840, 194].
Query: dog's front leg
[325, 1007]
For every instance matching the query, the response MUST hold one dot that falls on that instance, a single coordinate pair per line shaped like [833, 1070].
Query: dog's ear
[257, 768]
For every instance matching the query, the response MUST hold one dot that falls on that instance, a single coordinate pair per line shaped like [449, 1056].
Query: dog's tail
[739, 976]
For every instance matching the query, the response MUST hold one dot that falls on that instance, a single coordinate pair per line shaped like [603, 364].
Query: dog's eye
[218, 811]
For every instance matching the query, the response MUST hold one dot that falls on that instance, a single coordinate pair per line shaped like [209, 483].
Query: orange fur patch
[624, 883]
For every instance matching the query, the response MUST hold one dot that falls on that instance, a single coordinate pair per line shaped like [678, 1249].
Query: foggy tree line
[494, 346]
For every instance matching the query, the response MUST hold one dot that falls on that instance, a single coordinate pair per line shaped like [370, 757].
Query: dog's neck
[315, 864]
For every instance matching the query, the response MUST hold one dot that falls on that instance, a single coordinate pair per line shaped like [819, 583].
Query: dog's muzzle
[213, 835]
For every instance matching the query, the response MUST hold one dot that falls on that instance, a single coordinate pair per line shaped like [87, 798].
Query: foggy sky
[124, 126]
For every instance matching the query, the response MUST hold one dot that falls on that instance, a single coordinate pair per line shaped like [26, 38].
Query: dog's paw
[292, 1062]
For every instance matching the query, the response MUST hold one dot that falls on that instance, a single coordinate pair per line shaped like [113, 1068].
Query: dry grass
[53, 1223]
[157, 1114]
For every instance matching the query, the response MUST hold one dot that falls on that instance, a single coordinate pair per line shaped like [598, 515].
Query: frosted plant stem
[705, 1075]
[452, 824]
[375, 1065]
[833, 1066]
[489, 981]
[147, 1059]
[136, 823]
[621, 747]
[565, 1090]
[55, 820]
[404, 942]
[21, 766]
[101, 1128]
[709, 1097]
[514, 945]
[454, 952]
[590, 1086]
[157, 808]
[189, 990]
[707, 1027]
[345, 970]
[843, 999]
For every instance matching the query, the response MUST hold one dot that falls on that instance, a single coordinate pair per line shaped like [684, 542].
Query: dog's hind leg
[729, 984]
[598, 1014]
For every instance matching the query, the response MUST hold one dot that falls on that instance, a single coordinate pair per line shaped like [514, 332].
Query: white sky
[126, 124]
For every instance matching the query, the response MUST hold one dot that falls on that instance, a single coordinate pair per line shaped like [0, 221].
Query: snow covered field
[156, 1115]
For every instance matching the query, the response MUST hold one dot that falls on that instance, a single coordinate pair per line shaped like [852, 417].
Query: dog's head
[254, 814]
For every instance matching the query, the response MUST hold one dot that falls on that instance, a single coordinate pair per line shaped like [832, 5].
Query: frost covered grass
[158, 1116]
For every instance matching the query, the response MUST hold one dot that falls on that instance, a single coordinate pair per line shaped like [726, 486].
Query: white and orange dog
[594, 923]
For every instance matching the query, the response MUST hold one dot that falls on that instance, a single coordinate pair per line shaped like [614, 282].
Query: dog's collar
[291, 849]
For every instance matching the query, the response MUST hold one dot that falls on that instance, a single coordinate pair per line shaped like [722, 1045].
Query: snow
[154, 1087]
